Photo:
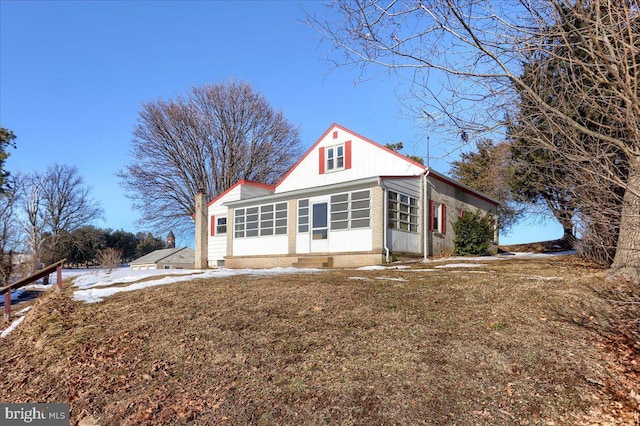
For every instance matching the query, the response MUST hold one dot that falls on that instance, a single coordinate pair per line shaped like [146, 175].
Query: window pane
[340, 161]
[360, 223]
[266, 231]
[239, 212]
[320, 215]
[339, 207]
[303, 220]
[303, 212]
[281, 231]
[222, 221]
[252, 210]
[340, 151]
[330, 165]
[303, 203]
[303, 228]
[264, 216]
[281, 222]
[330, 153]
[252, 218]
[404, 226]
[360, 204]
[281, 207]
[404, 208]
[252, 233]
[266, 224]
[339, 225]
[339, 216]
[319, 234]
[404, 199]
[239, 227]
[360, 195]
[359, 214]
[252, 225]
[339, 198]
[266, 208]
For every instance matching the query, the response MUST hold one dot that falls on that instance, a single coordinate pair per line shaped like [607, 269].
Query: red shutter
[213, 226]
[432, 211]
[347, 155]
[443, 218]
[321, 164]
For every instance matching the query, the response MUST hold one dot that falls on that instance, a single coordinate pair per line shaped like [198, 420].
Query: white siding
[367, 160]
[404, 242]
[260, 245]
[217, 247]
[352, 240]
[406, 186]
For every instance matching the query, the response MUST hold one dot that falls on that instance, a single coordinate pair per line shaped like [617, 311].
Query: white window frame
[265, 220]
[221, 228]
[402, 212]
[333, 160]
[346, 213]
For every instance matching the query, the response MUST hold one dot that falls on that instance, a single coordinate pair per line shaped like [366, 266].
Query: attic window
[335, 157]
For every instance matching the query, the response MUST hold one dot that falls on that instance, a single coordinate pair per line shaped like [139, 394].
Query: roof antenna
[428, 155]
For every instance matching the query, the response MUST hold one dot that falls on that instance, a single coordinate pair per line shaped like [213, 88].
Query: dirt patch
[520, 344]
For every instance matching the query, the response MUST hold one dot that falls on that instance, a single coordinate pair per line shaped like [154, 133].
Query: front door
[319, 227]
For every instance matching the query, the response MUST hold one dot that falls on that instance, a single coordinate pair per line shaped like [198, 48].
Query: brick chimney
[201, 231]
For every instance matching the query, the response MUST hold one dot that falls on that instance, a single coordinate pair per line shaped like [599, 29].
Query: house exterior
[169, 258]
[347, 202]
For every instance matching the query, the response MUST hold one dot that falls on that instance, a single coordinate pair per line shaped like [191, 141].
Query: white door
[319, 227]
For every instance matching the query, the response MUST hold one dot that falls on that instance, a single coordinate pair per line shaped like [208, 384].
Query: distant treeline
[82, 246]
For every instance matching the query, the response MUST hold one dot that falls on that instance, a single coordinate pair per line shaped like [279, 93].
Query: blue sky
[74, 74]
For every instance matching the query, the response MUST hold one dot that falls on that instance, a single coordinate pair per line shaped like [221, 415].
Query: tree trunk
[626, 262]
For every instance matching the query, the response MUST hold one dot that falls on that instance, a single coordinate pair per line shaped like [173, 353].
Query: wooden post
[59, 278]
[7, 305]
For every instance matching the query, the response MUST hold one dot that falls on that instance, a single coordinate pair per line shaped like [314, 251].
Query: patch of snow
[541, 278]
[390, 279]
[88, 284]
[461, 265]
[360, 278]
[24, 311]
[382, 268]
[12, 327]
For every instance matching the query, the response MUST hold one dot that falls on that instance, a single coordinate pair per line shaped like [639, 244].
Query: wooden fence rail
[6, 290]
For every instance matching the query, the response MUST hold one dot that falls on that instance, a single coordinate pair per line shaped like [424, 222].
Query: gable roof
[241, 182]
[344, 129]
[162, 254]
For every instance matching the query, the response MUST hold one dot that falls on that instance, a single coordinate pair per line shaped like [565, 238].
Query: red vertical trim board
[432, 211]
[321, 162]
[443, 218]
[213, 226]
[347, 155]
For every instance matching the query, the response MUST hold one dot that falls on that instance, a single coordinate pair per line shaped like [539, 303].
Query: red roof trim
[462, 188]
[242, 182]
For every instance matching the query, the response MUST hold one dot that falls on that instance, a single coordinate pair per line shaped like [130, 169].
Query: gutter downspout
[425, 216]
[385, 221]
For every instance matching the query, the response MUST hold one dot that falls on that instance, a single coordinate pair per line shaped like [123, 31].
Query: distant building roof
[181, 255]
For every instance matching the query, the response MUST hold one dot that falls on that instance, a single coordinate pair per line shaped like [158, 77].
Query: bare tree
[465, 60]
[207, 140]
[9, 240]
[55, 202]
[110, 258]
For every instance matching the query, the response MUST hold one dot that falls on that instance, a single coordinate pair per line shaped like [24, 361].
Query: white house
[347, 202]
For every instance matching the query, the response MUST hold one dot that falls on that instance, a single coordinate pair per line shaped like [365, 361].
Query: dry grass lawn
[510, 342]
